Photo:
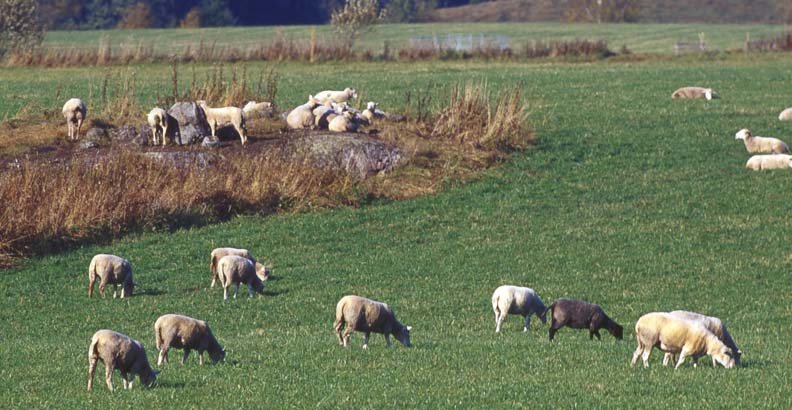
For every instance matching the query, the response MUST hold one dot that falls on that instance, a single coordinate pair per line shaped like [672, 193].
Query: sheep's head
[217, 355]
[542, 315]
[148, 378]
[371, 106]
[723, 355]
[709, 94]
[617, 331]
[743, 134]
[262, 271]
[128, 288]
[403, 335]
[351, 92]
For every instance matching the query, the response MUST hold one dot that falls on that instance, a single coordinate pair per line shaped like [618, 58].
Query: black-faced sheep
[186, 333]
[121, 352]
[578, 314]
[112, 270]
[518, 301]
[355, 313]
[74, 111]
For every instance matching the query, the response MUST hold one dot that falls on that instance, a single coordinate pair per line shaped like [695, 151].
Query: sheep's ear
[739, 351]
[409, 328]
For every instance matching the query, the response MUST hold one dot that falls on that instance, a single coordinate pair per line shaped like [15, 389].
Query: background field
[630, 200]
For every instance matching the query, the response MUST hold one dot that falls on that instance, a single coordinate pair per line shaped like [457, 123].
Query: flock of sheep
[326, 110]
[770, 153]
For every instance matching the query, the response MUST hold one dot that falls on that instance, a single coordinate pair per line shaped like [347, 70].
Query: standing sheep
[221, 117]
[158, 121]
[671, 334]
[355, 313]
[336, 96]
[518, 301]
[74, 111]
[714, 325]
[218, 253]
[761, 145]
[578, 314]
[121, 352]
[233, 269]
[302, 116]
[694, 92]
[113, 270]
[188, 334]
[768, 162]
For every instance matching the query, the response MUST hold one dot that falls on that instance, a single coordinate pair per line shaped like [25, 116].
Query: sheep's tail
[495, 303]
[550, 309]
[158, 335]
[92, 352]
[213, 264]
[339, 319]
[91, 277]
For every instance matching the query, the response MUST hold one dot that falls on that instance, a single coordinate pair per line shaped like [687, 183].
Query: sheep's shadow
[274, 293]
[151, 292]
[170, 385]
[753, 364]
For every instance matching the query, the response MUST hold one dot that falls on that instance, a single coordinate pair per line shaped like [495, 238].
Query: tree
[137, 15]
[355, 18]
[20, 30]
[615, 11]
[215, 13]
[405, 11]
[784, 8]
[192, 19]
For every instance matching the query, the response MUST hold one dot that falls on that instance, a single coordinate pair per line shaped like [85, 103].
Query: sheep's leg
[594, 333]
[251, 292]
[109, 376]
[91, 283]
[236, 290]
[498, 322]
[637, 353]
[682, 356]
[163, 354]
[124, 380]
[387, 340]
[365, 340]
[102, 286]
[131, 378]
[165, 133]
[668, 357]
[69, 128]
[645, 356]
[347, 334]
[91, 371]
[527, 323]
[553, 331]
[115, 291]
[79, 126]
[713, 361]
[200, 358]
[339, 326]
[225, 292]
[214, 279]
[184, 355]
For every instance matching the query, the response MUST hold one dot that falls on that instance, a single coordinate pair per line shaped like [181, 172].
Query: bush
[20, 30]
[356, 18]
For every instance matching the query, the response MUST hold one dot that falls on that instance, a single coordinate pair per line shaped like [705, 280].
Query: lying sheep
[325, 113]
[761, 145]
[233, 269]
[121, 352]
[221, 117]
[343, 123]
[355, 313]
[519, 301]
[785, 115]
[578, 314]
[74, 111]
[302, 116]
[186, 333]
[113, 270]
[694, 92]
[257, 109]
[158, 121]
[336, 96]
[768, 162]
[371, 112]
[714, 325]
[671, 334]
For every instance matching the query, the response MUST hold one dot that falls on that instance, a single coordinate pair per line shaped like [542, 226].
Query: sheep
[355, 313]
[257, 109]
[343, 123]
[785, 115]
[672, 334]
[158, 121]
[714, 325]
[218, 253]
[519, 301]
[761, 145]
[371, 112]
[186, 333]
[119, 351]
[234, 269]
[74, 111]
[694, 92]
[767, 162]
[221, 117]
[578, 314]
[302, 116]
[336, 96]
[112, 270]
[325, 113]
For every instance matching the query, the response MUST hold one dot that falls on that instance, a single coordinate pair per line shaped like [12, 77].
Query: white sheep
[714, 325]
[158, 121]
[785, 115]
[672, 334]
[336, 96]
[185, 333]
[768, 162]
[233, 270]
[343, 123]
[302, 116]
[761, 145]
[119, 351]
[113, 270]
[518, 301]
[218, 253]
[257, 109]
[371, 112]
[694, 92]
[74, 111]
[221, 117]
[355, 313]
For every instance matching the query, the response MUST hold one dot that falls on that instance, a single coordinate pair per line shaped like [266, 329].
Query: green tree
[20, 30]
[405, 11]
[215, 13]
[355, 18]
[137, 15]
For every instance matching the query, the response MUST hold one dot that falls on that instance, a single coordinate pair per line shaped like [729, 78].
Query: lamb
[112, 270]
[519, 301]
[74, 112]
[158, 121]
[188, 334]
[785, 115]
[257, 109]
[578, 314]
[714, 325]
[355, 313]
[122, 352]
[761, 145]
[233, 269]
[343, 123]
[337, 96]
[671, 334]
[371, 112]
[694, 92]
[221, 117]
[767, 162]
[302, 116]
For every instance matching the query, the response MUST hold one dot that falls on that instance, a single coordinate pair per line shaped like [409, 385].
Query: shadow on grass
[275, 293]
[150, 292]
[169, 385]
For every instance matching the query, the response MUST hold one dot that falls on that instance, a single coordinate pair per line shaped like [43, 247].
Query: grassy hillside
[631, 200]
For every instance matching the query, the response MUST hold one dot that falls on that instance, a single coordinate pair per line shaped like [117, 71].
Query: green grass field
[630, 200]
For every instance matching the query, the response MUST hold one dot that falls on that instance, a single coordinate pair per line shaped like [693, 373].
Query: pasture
[630, 200]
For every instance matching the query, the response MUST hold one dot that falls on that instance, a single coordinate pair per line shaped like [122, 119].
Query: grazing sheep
[257, 109]
[761, 145]
[365, 315]
[233, 269]
[74, 112]
[302, 116]
[111, 270]
[218, 253]
[767, 162]
[343, 123]
[121, 352]
[578, 314]
[158, 121]
[221, 117]
[785, 115]
[694, 92]
[188, 334]
[518, 301]
[336, 96]
[714, 325]
[671, 334]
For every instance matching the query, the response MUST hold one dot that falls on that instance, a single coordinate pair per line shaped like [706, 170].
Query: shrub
[20, 30]
[355, 18]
